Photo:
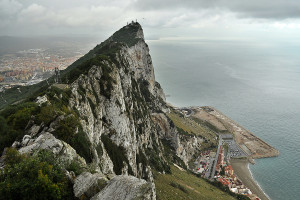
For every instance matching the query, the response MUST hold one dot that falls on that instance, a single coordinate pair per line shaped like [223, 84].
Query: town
[215, 166]
[31, 66]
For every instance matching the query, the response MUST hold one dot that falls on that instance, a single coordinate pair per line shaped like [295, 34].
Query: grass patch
[184, 185]
[189, 126]
[176, 185]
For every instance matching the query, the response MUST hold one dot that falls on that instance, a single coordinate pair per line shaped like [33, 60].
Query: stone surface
[25, 140]
[64, 152]
[87, 185]
[41, 99]
[126, 188]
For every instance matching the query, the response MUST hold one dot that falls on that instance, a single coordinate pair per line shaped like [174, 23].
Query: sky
[163, 19]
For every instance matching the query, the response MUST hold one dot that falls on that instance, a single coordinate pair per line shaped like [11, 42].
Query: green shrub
[47, 114]
[26, 177]
[75, 167]
[82, 145]
[13, 121]
[157, 162]
[66, 128]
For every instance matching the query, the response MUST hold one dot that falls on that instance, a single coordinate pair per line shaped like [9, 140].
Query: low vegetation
[13, 121]
[184, 185]
[187, 126]
[33, 177]
[156, 162]
[127, 35]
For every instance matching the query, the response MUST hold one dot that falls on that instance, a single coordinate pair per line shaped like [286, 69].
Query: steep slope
[183, 185]
[107, 118]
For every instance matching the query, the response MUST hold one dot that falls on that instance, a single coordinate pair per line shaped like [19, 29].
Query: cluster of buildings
[215, 166]
[203, 163]
[225, 175]
[220, 160]
[23, 66]
[232, 182]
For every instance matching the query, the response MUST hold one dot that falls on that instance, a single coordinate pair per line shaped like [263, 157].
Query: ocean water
[257, 84]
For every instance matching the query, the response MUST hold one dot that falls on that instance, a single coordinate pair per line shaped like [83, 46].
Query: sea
[255, 83]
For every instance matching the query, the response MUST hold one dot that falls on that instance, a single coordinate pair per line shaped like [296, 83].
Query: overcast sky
[160, 18]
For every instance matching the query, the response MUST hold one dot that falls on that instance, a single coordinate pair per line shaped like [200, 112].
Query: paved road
[216, 160]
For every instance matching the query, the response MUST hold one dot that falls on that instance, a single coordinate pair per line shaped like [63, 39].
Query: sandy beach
[240, 167]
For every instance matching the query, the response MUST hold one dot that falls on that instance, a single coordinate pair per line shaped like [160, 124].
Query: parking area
[234, 150]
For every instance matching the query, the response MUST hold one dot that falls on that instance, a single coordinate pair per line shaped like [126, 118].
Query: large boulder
[46, 141]
[87, 185]
[126, 188]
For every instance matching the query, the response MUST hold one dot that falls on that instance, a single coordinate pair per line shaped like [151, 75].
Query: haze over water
[254, 83]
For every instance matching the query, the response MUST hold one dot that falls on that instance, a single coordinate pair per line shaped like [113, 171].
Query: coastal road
[211, 162]
[216, 161]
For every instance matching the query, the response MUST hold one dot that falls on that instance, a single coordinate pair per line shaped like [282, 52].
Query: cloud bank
[19, 17]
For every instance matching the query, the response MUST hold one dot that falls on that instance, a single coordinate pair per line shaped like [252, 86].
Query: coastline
[241, 169]
[252, 146]
[256, 147]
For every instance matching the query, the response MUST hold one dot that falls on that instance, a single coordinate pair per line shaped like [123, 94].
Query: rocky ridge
[110, 121]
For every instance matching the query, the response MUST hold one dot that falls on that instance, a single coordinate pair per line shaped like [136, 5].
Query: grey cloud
[268, 9]
[98, 16]
[9, 8]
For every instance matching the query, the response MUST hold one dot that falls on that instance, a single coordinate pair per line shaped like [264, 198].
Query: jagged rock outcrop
[185, 146]
[126, 188]
[86, 185]
[46, 141]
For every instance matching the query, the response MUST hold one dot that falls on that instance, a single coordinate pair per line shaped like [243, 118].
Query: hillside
[103, 134]
[184, 185]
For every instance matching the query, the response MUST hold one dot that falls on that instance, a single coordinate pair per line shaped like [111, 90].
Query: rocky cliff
[108, 116]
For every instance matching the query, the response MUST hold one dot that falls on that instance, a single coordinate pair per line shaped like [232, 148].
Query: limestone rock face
[46, 141]
[41, 100]
[86, 185]
[126, 188]
[185, 146]
[122, 114]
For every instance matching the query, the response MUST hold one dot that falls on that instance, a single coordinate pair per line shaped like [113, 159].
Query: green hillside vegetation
[33, 177]
[189, 126]
[14, 119]
[182, 185]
